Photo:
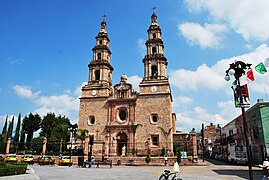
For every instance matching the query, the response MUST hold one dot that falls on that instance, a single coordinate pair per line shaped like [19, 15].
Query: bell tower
[100, 69]
[155, 64]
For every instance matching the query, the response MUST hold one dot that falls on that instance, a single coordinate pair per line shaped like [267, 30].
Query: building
[121, 121]
[232, 135]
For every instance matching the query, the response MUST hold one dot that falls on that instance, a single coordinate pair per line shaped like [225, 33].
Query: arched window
[154, 50]
[154, 35]
[154, 71]
[97, 75]
[100, 42]
[99, 55]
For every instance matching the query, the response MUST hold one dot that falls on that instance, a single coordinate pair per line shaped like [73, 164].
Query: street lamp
[73, 131]
[241, 97]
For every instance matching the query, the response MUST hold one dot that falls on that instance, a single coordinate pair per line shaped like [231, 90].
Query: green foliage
[47, 124]
[9, 169]
[163, 151]
[4, 131]
[190, 158]
[37, 144]
[82, 134]
[22, 138]
[17, 131]
[133, 151]
[148, 159]
[31, 124]
[10, 128]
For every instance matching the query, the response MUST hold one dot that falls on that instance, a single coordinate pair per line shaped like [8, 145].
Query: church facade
[119, 120]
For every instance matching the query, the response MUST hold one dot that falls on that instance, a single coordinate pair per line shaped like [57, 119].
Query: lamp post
[238, 70]
[73, 130]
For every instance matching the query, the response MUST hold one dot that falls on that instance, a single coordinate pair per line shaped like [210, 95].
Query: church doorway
[121, 144]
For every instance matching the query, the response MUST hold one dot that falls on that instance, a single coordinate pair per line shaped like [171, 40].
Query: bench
[104, 162]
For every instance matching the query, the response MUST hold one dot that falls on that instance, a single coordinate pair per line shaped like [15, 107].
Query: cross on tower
[153, 9]
[104, 17]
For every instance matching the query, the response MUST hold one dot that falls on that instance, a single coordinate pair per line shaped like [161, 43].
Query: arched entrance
[121, 144]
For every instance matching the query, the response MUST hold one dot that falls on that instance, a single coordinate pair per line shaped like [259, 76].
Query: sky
[45, 49]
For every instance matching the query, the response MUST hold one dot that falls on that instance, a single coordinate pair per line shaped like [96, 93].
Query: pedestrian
[165, 160]
[92, 161]
[60, 156]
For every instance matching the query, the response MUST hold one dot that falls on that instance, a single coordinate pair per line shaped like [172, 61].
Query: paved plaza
[210, 172]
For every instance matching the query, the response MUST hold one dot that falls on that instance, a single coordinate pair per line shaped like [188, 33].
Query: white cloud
[142, 46]
[213, 77]
[182, 101]
[203, 77]
[25, 92]
[246, 17]
[62, 104]
[135, 81]
[195, 117]
[207, 36]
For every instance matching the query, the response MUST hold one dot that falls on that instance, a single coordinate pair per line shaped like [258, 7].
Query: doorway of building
[121, 144]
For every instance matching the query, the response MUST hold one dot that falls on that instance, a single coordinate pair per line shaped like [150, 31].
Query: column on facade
[194, 147]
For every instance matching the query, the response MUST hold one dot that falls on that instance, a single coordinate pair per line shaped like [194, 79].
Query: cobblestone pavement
[209, 172]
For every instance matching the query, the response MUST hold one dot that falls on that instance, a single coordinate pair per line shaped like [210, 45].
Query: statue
[123, 150]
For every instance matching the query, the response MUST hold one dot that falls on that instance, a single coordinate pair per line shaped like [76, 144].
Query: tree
[37, 144]
[22, 138]
[10, 128]
[82, 135]
[47, 124]
[166, 134]
[60, 132]
[17, 131]
[31, 125]
[4, 131]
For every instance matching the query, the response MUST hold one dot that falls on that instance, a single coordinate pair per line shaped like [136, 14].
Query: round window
[122, 115]
[91, 120]
[154, 118]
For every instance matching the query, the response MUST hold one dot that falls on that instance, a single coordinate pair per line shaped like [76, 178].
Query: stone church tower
[120, 120]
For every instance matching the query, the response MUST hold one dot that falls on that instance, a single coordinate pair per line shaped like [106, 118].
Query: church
[119, 120]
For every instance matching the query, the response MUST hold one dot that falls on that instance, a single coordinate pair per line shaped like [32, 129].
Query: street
[214, 170]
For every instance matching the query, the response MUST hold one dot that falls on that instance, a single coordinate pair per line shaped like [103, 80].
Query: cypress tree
[4, 131]
[10, 128]
[17, 132]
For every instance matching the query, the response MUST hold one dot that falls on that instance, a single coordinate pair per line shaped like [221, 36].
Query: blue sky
[45, 47]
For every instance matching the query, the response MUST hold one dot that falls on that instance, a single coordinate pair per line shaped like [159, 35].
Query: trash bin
[80, 161]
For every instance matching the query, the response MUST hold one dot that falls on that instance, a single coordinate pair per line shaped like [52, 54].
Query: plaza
[213, 170]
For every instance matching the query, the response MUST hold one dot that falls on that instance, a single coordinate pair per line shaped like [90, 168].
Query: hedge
[9, 169]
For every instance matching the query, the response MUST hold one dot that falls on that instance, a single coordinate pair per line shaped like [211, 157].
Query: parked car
[46, 160]
[11, 158]
[28, 158]
[65, 160]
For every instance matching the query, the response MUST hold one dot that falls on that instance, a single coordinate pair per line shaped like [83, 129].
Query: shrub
[190, 158]
[148, 159]
[9, 169]
[133, 152]
[163, 151]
